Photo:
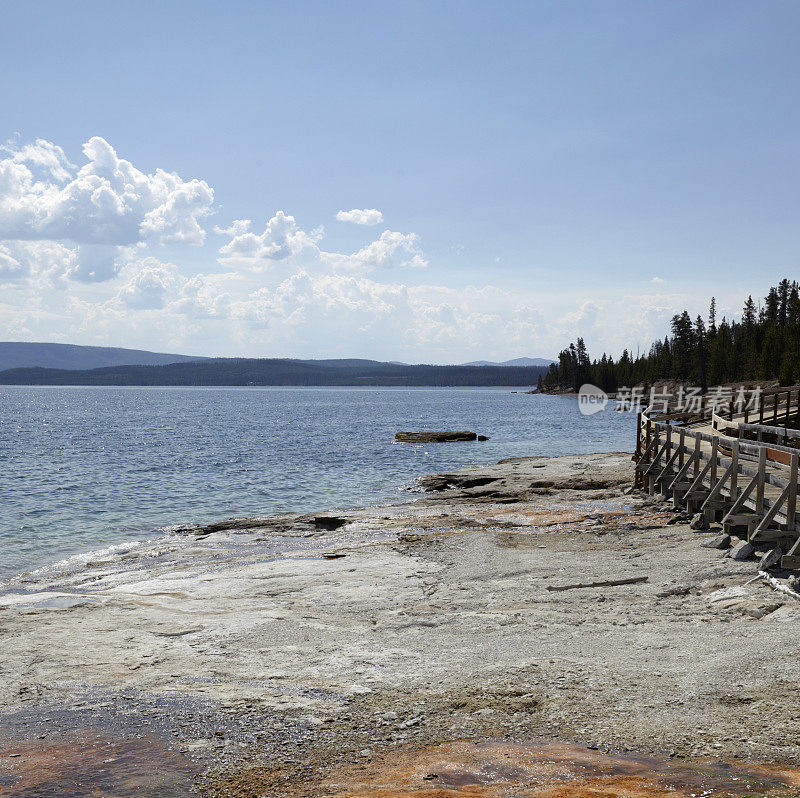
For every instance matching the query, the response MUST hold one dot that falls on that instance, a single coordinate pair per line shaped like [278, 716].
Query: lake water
[85, 468]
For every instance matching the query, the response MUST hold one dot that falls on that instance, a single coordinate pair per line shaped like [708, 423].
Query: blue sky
[541, 170]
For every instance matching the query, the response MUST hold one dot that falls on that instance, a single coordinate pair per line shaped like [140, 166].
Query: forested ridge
[763, 345]
[244, 371]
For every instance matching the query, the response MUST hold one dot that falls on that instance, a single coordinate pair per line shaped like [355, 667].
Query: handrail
[670, 455]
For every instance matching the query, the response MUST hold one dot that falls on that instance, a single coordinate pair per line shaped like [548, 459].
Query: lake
[85, 468]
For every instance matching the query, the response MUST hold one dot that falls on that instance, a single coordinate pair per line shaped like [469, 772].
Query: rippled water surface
[84, 468]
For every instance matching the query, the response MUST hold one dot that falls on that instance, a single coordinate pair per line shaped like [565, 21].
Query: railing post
[713, 472]
[761, 408]
[734, 469]
[791, 499]
[762, 478]
[697, 445]
[681, 457]
[638, 435]
[775, 409]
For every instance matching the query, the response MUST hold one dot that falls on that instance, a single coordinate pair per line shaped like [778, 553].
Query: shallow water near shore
[86, 468]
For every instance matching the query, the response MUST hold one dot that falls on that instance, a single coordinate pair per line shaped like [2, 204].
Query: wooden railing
[749, 482]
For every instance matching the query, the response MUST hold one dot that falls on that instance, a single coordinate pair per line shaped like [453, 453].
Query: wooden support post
[762, 478]
[792, 559]
[714, 449]
[681, 447]
[682, 472]
[774, 409]
[760, 408]
[731, 516]
[663, 473]
[791, 499]
[708, 507]
[668, 454]
[734, 469]
[696, 489]
[679, 486]
[768, 518]
[656, 455]
[638, 451]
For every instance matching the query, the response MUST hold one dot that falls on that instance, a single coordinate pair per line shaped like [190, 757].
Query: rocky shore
[408, 650]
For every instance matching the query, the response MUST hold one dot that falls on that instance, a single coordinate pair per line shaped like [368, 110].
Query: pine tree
[765, 344]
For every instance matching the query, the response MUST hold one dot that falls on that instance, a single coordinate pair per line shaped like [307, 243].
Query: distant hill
[71, 356]
[240, 371]
[517, 361]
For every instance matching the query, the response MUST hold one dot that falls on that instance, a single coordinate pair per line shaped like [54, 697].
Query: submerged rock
[433, 436]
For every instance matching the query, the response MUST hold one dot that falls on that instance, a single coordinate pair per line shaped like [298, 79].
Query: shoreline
[297, 654]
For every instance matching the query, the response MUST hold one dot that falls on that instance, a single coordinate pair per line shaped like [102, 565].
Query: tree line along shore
[763, 346]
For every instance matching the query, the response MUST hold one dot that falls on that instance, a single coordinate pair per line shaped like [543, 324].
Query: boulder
[741, 551]
[698, 522]
[432, 436]
[721, 541]
[770, 559]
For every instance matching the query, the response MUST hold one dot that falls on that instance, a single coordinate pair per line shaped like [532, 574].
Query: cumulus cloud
[236, 228]
[107, 201]
[90, 230]
[148, 284]
[365, 216]
[203, 296]
[10, 268]
[94, 264]
[283, 241]
[657, 280]
[389, 251]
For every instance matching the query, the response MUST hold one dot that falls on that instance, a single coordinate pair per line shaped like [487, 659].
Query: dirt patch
[550, 770]
[94, 765]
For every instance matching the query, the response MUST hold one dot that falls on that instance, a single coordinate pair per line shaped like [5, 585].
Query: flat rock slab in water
[431, 436]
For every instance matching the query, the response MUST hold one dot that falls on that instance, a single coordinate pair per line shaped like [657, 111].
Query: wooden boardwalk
[740, 469]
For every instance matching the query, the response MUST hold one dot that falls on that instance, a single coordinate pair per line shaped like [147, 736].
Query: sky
[415, 181]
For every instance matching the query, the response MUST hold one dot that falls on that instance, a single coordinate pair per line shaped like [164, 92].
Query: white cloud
[148, 284]
[94, 264]
[46, 263]
[657, 280]
[91, 232]
[236, 228]
[204, 296]
[107, 201]
[389, 251]
[10, 267]
[281, 239]
[283, 242]
[366, 216]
